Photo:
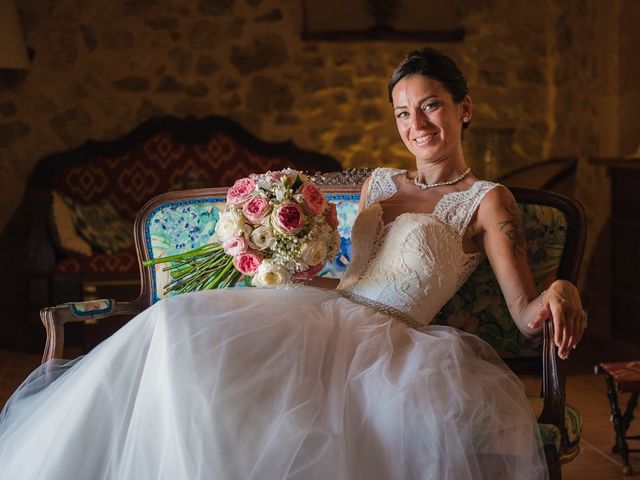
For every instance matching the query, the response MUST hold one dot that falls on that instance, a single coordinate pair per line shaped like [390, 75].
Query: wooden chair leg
[628, 413]
[619, 425]
[553, 463]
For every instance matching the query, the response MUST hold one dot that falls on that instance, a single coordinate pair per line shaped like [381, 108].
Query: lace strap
[457, 209]
[381, 185]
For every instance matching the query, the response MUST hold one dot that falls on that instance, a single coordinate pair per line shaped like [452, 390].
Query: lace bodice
[415, 263]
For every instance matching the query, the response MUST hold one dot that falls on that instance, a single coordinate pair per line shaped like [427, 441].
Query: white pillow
[64, 228]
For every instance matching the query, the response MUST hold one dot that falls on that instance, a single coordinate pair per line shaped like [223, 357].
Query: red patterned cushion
[625, 374]
[128, 181]
[124, 261]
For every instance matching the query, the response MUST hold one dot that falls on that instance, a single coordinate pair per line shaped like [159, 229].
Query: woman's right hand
[561, 303]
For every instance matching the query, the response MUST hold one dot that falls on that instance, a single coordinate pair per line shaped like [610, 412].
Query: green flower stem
[231, 280]
[214, 283]
[203, 250]
[202, 268]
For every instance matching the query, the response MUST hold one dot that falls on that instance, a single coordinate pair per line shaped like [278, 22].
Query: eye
[402, 115]
[429, 107]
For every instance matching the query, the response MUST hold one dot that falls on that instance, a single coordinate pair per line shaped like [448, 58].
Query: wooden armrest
[553, 383]
[54, 319]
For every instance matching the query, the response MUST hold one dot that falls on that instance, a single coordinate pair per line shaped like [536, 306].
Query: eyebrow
[421, 100]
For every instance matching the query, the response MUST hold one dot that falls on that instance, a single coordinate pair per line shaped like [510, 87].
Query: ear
[466, 108]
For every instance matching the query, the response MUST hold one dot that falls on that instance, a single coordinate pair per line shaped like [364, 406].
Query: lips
[424, 138]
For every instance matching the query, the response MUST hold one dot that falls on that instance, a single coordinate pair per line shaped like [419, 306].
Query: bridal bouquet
[277, 228]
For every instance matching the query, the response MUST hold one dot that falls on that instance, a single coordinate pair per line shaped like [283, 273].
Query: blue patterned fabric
[347, 207]
[181, 226]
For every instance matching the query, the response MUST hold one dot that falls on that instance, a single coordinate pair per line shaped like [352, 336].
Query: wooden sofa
[99, 187]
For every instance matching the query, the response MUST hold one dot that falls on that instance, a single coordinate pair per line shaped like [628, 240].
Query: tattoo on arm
[514, 230]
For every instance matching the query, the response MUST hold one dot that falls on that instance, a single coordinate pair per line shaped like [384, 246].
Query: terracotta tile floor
[584, 390]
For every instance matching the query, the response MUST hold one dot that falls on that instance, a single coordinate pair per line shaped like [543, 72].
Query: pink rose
[309, 273]
[331, 215]
[247, 263]
[234, 246]
[314, 200]
[240, 191]
[288, 218]
[256, 209]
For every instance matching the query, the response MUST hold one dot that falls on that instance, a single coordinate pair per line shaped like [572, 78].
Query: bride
[317, 383]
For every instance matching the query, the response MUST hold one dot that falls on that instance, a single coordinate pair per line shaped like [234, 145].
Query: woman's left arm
[502, 237]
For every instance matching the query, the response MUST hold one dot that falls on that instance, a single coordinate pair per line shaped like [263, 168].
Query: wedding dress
[292, 383]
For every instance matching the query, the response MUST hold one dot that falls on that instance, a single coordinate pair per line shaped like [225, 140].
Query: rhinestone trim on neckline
[425, 186]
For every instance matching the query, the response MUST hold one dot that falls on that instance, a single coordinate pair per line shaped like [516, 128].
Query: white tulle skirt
[272, 384]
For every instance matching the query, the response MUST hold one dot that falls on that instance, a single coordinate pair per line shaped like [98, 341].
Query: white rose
[262, 237]
[313, 253]
[270, 275]
[280, 191]
[230, 224]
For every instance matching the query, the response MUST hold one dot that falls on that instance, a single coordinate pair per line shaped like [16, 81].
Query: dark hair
[434, 64]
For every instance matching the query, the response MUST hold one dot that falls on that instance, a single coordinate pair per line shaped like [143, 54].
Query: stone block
[265, 51]
[274, 15]
[204, 35]
[198, 89]
[215, 7]
[117, 40]
[72, 126]
[268, 95]
[12, 131]
[163, 23]
[181, 59]
[169, 84]
[132, 84]
[206, 66]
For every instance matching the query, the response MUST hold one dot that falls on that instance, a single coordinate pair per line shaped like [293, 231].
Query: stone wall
[101, 68]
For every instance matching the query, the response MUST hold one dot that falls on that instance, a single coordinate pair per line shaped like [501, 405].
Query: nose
[420, 120]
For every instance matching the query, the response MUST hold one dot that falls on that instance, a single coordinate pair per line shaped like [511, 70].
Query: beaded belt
[380, 307]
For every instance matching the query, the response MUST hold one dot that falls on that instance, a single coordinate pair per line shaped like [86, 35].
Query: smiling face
[428, 119]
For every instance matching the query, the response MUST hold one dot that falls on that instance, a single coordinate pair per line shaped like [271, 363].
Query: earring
[465, 119]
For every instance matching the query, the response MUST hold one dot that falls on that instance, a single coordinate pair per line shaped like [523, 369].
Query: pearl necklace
[425, 186]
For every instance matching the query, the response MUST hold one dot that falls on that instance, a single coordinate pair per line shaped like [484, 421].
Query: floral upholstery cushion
[91, 308]
[179, 226]
[550, 434]
[479, 307]
[101, 225]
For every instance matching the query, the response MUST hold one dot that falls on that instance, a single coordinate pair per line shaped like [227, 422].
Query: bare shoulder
[497, 204]
[499, 219]
[365, 184]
